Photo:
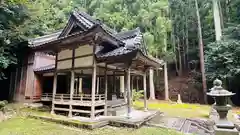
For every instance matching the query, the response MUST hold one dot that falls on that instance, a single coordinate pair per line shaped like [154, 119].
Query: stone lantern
[221, 96]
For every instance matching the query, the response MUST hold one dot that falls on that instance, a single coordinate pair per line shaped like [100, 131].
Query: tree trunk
[187, 42]
[184, 56]
[183, 51]
[151, 85]
[204, 85]
[179, 58]
[166, 71]
[173, 42]
[217, 20]
[221, 15]
[229, 10]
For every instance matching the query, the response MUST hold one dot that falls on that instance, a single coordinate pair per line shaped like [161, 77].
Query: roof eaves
[45, 68]
[43, 39]
[65, 37]
[120, 42]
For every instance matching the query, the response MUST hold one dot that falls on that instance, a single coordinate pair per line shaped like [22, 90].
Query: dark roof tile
[43, 39]
[45, 68]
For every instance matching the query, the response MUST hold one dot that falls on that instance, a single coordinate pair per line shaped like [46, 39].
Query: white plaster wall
[83, 50]
[66, 64]
[65, 54]
[42, 60]
[84, 61]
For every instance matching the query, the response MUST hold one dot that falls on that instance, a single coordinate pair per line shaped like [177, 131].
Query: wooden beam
[82, 56]
[76, 68]
[54, 85]
[137, 72]
[106, 87]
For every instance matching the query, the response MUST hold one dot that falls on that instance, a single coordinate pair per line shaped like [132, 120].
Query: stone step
[186, 126]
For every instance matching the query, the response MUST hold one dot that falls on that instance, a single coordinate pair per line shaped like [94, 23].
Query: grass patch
[173, 109]
[27, 126]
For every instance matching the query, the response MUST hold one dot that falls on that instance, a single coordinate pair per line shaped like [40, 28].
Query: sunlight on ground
[184, 110]
[26, 126]
[177, 110]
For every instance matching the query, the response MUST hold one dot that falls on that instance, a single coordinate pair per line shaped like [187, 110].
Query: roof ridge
[129, 33]
[86, 16]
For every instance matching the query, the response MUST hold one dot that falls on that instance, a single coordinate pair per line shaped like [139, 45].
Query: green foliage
[121, 15]
[222, 59]
[3, 104]
[137, 94]
[12, 17]
[24, 19]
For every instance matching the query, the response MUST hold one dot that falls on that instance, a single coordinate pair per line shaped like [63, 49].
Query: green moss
[177, 110]
[27, 126]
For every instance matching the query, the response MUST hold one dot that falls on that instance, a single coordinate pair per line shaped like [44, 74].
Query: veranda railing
[79, 97]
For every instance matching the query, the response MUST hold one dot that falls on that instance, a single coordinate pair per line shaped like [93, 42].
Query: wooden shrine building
[86, 56]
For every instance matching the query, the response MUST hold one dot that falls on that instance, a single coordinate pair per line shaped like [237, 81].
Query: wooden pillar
[145, 90]
[72, 84]
[93, 89]
[114, 84]
[80, 86]
[117, 83]
[151, 84]
[122, 86]
[132, 80]
[68, 83]
[54, 91]
[125, 86]
[106, 87]
[54, 84]
[77, 86]
[137, 87]
[15, 86]
[128, 92]
[71, 92]
[97, 85]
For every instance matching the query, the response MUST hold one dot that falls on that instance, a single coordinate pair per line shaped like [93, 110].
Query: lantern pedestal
[225, 131]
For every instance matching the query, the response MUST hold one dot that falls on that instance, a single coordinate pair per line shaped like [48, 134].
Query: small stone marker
[179, 101]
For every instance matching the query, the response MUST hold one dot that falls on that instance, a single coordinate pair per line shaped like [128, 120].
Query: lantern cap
[218, 90]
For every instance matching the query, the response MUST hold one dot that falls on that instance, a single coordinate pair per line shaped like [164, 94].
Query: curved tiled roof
[43, 39]
[45, 68]
[125, 42]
